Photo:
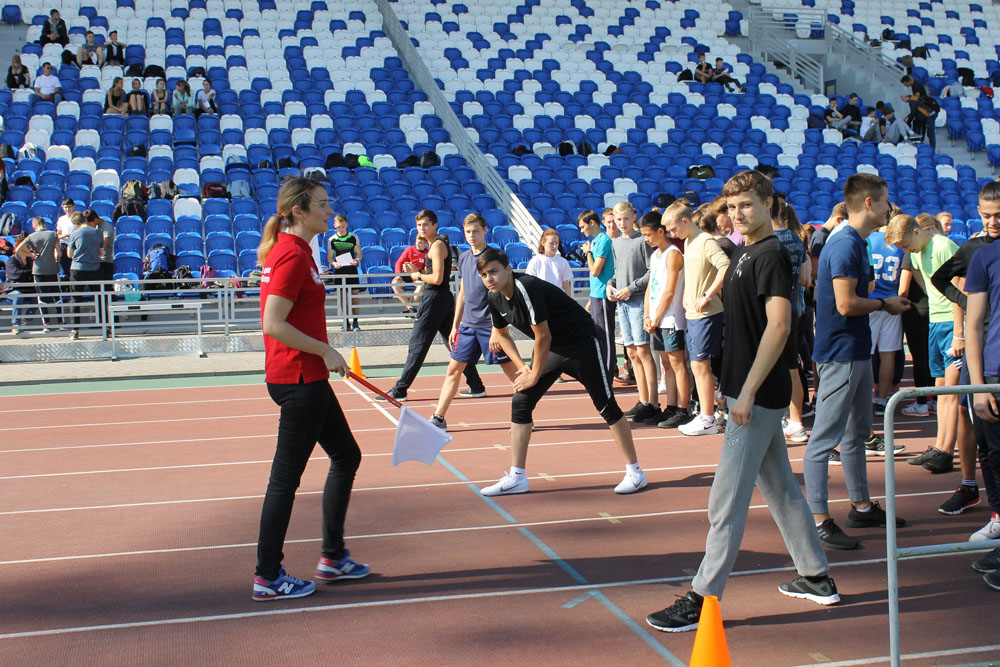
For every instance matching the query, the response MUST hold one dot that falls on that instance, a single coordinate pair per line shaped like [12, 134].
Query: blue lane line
[570, 570]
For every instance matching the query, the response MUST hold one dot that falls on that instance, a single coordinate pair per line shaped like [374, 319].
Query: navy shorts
[473, 342]
[668, 340]
[704, 337]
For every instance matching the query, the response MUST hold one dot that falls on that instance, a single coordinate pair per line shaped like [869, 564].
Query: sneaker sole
[983, 570]
[266, 598]
[636, 490]
[992, 585]
[327, 579]
[824, 600]
[797, 438]
[714, 431]
[978, 537]
[683, 628]
[959, 510]
[482, 395]
[502, 493]
[841, 547]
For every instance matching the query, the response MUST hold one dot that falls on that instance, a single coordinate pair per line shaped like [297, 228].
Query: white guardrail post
[893, 553]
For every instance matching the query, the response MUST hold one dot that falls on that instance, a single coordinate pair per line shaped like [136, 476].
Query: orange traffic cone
[710, 648]
[355, 364]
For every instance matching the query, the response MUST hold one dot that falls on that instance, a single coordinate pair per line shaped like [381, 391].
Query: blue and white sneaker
[345, 568]
[285, 586]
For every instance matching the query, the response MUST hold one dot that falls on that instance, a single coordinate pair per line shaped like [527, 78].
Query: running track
[130, 518]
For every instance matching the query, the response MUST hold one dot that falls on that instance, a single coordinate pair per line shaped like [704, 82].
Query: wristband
[958, 337]
[882, 302]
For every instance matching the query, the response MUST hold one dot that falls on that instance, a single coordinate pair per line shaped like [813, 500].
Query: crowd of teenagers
[749, 314]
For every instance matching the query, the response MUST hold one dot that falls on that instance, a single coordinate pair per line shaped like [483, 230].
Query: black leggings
[988, 436]
[916, 327]
[310, 413]
[602, 312]
[586, 365]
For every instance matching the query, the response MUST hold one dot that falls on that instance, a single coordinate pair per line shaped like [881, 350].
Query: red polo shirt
[290, 272]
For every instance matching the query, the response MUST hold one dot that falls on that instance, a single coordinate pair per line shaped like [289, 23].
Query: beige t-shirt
[703, 261]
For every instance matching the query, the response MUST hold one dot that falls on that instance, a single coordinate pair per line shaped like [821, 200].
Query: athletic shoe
[700, 425]
[469, 393]
[439, 421]
[656, 418]
[916, 410]
[680, 416]
[15, 332]
[932, 405]
[833, 458]
[822, 592]
[795, 434]
[988, 563]
[631, 412]
[923, 457]
[645, 411]
[74, 335]
[875, 517]
[354, 325]
[991, 531]
[992, 580]
[939, 462]
[631, 483]
[346, 568]
[625, 378]
[875, 446]
[963, 498]
[398, 395]
[879, 404]
[285, 586]
[46, 330]
[832, 537]
[681, 616]
[808, 410]
[509, 484]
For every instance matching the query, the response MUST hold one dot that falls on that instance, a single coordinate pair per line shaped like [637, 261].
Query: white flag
[417, 439]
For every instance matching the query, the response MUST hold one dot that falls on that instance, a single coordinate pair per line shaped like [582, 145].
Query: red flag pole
[365, 383]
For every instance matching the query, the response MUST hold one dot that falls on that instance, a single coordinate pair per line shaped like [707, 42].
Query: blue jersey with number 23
[886, 262]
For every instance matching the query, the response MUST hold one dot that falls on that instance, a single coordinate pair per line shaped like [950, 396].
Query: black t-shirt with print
[756, 272]
[536, 301]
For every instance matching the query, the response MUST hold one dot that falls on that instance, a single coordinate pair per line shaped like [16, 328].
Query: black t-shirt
[852, 111]
[757, 271]
[956, 267]
[831, 114]
[428, 268]
[536, 301]
[919, 89]
[726, 244]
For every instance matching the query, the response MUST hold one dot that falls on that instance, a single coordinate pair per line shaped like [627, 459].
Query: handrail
[875, 54]
[767, 30]
[509, 203]
[893, 553]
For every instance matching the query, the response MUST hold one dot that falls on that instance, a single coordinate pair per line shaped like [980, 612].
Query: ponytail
[269, 237]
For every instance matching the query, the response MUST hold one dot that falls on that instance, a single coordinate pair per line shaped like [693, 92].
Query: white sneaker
[509, 484]
[661, 387]
[916, 410]
[700, 425]
[797, 434]
[631, 483]
[991, 531]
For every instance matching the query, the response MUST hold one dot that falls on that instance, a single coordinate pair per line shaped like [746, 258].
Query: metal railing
[772, 31]
[496, 187]
[881, 64]
[893, 553]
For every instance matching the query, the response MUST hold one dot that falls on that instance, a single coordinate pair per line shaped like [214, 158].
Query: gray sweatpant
[844, 416]
[756, 452]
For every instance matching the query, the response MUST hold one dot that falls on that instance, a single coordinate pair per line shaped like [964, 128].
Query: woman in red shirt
[298, 360]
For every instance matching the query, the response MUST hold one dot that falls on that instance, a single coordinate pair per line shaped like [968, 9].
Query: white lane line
[405, 533]
[210, 618]
[910, 656]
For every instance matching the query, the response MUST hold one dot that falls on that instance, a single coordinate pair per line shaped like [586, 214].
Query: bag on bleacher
[6, 248]
[215, 190]
[334, 160]
[9, 225]
[236, 162]
[240, 189]
[127, 290]
[28, 151]
[207, 273]
[68, 58]
[701, 171]
[409, 161]
[153, 72]
[815, 122]
[253, 278]
[183, 272]
[137, 151]
[129, 207]
[156, 259]
[7, 151]
[158, 274]
[163, 190]
[133, 190]
[134, 70]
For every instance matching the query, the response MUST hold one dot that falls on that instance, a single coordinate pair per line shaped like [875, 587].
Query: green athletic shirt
[937, 251]
[341, 244]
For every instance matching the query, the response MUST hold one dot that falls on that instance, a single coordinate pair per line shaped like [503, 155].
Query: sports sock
[516, 471]
[969, 482]
[633, 467]
[818, 578]
[794, 425]
[867, 509]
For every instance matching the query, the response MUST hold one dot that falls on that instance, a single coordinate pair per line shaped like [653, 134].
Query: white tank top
[673, 318]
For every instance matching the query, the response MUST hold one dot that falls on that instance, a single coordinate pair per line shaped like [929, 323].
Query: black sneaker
[832, 537]
[834, 458]
[631, 412]
[681, 616]
[963, 498]
[875, 446]
[680, 416]
[655, 419]
[922, 458]
[394, 393]
[625, 378]
[439, 421]
[992, 580]
[939, 462]
[988, 563]
[823, 591]
[472, 393]
[645, 411]
[874, 518]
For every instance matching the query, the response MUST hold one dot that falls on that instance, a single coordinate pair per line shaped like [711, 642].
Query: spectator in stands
[85, 246]
[956, 89]
[95, 50]
[64, 229]
[297, 361]
[872, 128]
[601, 265]
[47, 252]
[114, 51]
[852, 111]
[945, 220]
[137, 99]
[894, 129]
[48, 88]
[183, 101]
[114, 101]
[549, 265]
[54, 30]
[17, 284]
[205, 101]
[834, 118]
[412, 259]
[917, 91]
[344, 255]
[722, 73]
[436, 311]
[18, 75]
[703, 72]
[107, 230]
[160, 102]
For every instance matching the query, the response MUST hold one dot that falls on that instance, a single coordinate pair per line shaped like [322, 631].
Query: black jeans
[51, 295]
[82, 284]
[435, 314]
[988, 436]
[310, 413]
[916, 327]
